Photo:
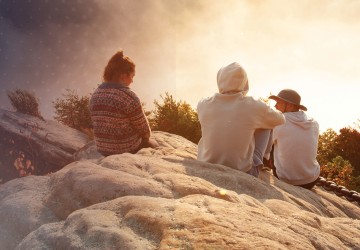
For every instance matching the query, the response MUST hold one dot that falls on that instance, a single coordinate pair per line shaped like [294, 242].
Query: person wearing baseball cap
[295, 142]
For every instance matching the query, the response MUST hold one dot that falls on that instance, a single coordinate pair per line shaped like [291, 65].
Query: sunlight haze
[178, 47]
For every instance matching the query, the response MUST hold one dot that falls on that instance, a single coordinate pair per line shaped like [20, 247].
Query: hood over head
[232, 78]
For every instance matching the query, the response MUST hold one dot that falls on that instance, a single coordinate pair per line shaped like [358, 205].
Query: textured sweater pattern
[118, 119]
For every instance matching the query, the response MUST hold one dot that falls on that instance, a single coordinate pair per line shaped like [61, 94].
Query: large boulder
[165, 199]
[29, 145]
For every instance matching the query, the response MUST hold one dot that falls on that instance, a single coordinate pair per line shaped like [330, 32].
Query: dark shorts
[307, 186]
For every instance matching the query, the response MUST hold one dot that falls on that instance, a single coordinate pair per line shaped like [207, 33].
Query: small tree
[347, 145]
[357, 125]
[326, 151]
[339, 170]
[25, 102]
[338, 154]
[176, 117]
[73, 111]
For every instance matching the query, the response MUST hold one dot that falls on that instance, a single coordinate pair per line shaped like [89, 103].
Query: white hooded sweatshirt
[295, 149]
[229, 119]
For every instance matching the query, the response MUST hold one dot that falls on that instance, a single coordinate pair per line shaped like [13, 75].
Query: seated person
[118, 119]
[229, 120]
[295, 142]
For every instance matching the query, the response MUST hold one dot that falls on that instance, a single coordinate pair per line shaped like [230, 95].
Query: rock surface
[166, 199]
[37, 146]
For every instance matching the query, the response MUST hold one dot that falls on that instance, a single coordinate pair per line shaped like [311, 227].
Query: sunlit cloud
[178, 47]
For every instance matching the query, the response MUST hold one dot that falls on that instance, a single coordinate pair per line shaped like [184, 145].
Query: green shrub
[338, 170]
[73, 111]
[25, 102]
[176, 117]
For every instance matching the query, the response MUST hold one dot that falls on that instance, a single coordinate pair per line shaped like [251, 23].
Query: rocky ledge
[165, 199]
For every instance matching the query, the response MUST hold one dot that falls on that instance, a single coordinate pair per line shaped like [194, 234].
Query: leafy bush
[176, 117]
[73, 111]
[326, 147]
[338, 155]
[338, 170]
[347, 145]
[25, 102]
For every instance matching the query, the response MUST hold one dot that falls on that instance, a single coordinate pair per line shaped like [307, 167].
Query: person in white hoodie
[229, 120]
[295, 142]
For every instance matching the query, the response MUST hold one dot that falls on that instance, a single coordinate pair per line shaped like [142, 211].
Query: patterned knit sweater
[118, 119]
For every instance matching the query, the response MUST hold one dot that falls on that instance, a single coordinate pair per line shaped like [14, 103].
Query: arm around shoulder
[273, 117]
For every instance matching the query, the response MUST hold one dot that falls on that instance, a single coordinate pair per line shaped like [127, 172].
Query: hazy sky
[179, 45]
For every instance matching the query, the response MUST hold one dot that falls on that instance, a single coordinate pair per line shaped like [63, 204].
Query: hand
[153, 143]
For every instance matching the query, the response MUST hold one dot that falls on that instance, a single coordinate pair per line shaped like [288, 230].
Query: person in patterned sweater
[118, 119]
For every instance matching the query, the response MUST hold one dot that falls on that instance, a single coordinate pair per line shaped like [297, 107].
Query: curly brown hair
[118, 65]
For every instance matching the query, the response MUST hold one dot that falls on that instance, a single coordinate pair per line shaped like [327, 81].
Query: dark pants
[307, 186]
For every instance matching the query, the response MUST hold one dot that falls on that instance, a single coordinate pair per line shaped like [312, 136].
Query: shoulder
[314, 123]
[260, 103]
[250, 100]
[204, 101]
[116, 93]
[125, 92]
[131, 94]
[263, 108]
[311, 119]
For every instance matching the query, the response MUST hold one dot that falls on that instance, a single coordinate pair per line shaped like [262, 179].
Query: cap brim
[275, 98]
[303, 107]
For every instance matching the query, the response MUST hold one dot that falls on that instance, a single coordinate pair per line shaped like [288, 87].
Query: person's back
[295, 142]
[229, 119]
[119, 122]
[118, 119]
[296, 149]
